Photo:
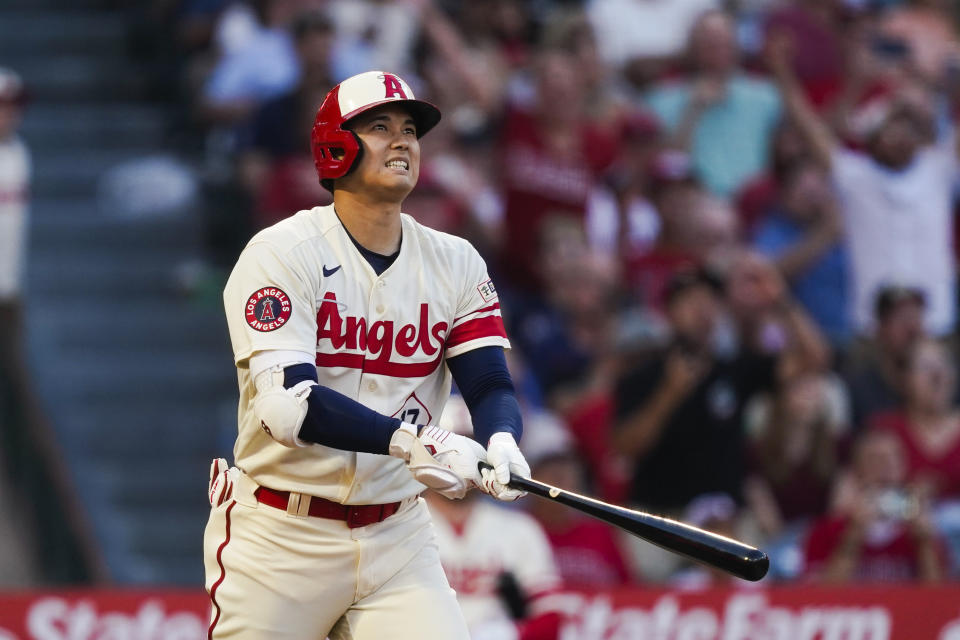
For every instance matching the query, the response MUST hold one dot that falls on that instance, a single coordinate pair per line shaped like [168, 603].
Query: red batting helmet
[336, 149]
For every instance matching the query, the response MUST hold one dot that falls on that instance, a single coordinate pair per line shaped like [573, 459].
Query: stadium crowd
[723, 233]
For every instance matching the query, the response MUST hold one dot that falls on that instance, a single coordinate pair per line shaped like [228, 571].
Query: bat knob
[756, 566]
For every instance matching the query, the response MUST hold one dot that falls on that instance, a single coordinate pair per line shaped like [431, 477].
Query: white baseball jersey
[14, 185]
[302, 285]
[494, 539]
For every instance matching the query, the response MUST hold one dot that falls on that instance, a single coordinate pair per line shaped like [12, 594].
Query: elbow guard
[281, 411]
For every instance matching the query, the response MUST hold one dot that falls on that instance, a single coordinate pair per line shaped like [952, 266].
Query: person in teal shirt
[722, 117]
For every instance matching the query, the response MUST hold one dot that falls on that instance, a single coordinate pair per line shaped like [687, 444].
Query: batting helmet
[336, 149]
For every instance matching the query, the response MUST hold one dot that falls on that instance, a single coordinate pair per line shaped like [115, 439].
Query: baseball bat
[701, 545]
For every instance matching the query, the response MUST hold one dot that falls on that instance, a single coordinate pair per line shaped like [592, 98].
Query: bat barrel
[730, 555]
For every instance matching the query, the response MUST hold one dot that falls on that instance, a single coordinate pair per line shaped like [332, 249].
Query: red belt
[355, 515]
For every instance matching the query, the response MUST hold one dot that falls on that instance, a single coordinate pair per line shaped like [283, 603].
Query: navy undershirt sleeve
[334, 420]
[484, 381]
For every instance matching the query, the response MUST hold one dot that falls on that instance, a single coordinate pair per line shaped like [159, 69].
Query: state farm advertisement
[776, 613]
[783, 613]
[104, 615]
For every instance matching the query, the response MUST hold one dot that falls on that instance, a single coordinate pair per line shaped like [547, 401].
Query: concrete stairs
[136, 377]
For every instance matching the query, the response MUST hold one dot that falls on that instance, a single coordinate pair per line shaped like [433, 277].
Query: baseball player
[348, 322]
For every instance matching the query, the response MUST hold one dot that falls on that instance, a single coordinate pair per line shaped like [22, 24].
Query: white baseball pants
[276, 576]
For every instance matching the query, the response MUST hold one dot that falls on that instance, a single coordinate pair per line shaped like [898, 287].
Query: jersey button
[380, 308]
[381, 284]
[372, 386]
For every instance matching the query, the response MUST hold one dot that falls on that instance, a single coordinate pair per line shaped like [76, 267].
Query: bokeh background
[723, 233]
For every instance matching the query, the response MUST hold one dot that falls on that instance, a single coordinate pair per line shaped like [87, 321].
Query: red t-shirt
[590, 423]
[539, 184]
[587, 555]
[755, 200]
[941, 470]
[888, 554]
[648, 274]
[802, 493]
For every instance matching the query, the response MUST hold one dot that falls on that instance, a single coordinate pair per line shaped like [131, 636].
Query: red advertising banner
[104, 615]
[777, 613]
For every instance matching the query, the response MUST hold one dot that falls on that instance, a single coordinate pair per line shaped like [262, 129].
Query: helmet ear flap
[336, 155]
[335, 151]
[359, 156]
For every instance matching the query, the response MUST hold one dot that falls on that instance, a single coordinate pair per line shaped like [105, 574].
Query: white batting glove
[220, 488]
[442, 460]
[504, 456]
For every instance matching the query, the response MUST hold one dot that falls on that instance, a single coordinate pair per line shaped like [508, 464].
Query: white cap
[374, 88]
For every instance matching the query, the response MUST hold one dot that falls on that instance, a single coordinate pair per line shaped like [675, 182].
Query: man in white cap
[348, 323]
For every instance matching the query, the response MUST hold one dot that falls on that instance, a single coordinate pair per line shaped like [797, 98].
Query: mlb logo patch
[487, 291]
[268, 309]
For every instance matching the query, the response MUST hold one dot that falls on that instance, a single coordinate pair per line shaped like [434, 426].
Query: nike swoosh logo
[329, 272]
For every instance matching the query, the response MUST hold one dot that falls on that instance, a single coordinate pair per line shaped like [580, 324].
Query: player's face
[390, 164]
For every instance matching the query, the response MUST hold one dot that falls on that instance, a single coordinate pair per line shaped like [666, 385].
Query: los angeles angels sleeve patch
[487, 290]
[268, 309]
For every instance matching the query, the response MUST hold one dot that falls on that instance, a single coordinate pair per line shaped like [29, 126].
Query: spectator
[551, 158]
[264, 67]
[658, 403]
[628, 31]
[815, 26]
[468, 71]
[880, 529]
[570, 30]
[276, 166]
[680, 415]
[565, 332]
[794, 443]
[693, 228]
[621, 219]
[508, 25]
[722, 117]
[760, 194]
[895, 198]
[587, 551]
[925, 32]
[875, 369]
[373, 34]
[496, 559]
[768, 320]
[928, 425]
[802, 236]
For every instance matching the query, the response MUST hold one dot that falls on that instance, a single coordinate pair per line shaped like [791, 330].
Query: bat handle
[482, 466]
